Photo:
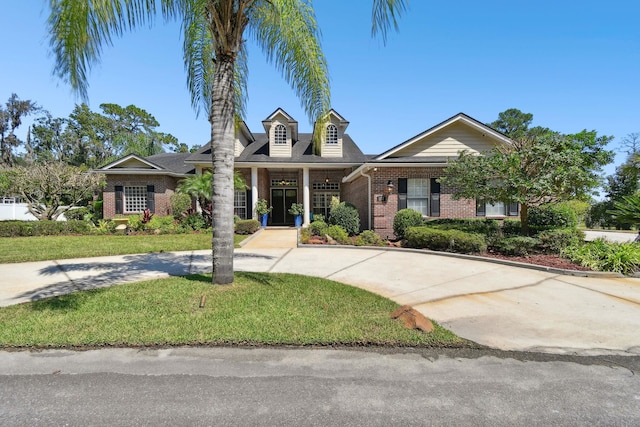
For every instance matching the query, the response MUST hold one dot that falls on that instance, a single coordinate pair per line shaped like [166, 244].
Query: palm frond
[627, 210]
[385, 14]
[80, 29]
[288, 33]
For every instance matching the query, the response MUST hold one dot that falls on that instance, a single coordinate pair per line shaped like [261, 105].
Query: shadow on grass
[80, 276]
[261, 278]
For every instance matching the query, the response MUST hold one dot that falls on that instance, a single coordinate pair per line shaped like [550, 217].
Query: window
[240, 203]
[332, 134]
[135, 199]
[280, 135]
[496, 209]
[322, 202]
[418, 195]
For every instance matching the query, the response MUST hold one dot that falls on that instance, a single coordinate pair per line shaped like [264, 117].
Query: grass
[258, 309]
[43, 248]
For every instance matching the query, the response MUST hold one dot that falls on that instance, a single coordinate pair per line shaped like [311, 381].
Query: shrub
[318, 228]
[517, 245]
[194, 222]
[44, 228]
[162, 224]
[180, 204]
[511, 227]
[346, 216]
[136, 223]
[554, 241]
[601, 255]
[78, 214]
[551, 216]
[369, 238]
[444, 240]
[405, 218]
[305, 235]
[578, 207]
[338, 234]
[247, 226]
[485, 226]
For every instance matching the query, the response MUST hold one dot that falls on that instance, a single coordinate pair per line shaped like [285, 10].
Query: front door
[281, 200]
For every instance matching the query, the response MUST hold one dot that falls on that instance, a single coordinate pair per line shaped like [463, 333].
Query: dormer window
[280, 135]
[332, 134]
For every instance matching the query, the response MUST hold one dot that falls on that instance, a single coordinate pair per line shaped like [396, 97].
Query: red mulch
[554, 261]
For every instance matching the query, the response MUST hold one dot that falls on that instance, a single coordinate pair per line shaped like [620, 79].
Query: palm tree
[199, 187]
[215, 60]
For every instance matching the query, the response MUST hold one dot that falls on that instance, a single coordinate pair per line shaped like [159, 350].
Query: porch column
[306, 200]
[254, 191]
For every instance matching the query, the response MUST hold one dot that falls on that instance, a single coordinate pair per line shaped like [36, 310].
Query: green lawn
[41, 248]
[259, 308]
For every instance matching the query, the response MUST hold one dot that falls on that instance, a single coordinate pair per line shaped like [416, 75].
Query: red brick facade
[164, 187]
[384, 201]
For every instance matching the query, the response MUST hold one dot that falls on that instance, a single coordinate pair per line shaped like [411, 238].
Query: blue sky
[573, 65]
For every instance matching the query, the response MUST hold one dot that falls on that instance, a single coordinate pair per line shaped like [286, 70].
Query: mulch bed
[553, 261]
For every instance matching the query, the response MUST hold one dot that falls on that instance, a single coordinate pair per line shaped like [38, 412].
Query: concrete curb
[577, 273]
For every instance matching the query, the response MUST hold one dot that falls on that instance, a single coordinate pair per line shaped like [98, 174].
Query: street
[232, 386]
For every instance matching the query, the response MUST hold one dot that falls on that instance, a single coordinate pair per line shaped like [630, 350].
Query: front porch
[281, 187]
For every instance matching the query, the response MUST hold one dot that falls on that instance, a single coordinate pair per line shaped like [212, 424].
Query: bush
[444, 240]
[517, 246]
[486, 226]
[346, 216]
[511, 227]
[194, 222]
[78, 214]
[554, 241]
[578, 207]
[247, 226]
[338, 234]
[601, 255]
[405, 218]
[305, 235]
[44, 228]
[369, 238]
[318, 228]
[180, 204]
[162, 224]
[551, 216]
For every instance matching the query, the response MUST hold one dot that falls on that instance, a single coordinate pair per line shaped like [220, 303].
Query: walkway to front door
[271, 238]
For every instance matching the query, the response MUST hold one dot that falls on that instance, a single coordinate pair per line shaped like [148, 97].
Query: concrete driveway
[500, 306]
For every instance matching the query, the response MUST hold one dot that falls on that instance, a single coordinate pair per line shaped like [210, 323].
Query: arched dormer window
[332, 134]
[280, 135]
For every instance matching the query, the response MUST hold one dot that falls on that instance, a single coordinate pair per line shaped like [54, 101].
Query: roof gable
[447, 139]
[131, 161]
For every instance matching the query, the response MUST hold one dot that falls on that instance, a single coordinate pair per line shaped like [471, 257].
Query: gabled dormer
[282, 131]
[332, 135]
[244, 137]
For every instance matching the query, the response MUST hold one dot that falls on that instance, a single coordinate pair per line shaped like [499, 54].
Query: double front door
[281, 200]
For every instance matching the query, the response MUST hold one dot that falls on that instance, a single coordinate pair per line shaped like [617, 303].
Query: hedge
[247, 226]
[44, 228]
[444, 240]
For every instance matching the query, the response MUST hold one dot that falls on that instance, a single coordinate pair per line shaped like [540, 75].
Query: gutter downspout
[368, 196]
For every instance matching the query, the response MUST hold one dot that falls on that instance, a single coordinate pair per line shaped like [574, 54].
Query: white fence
[11, 208]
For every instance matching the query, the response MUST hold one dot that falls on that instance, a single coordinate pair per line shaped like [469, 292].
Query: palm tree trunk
[222, 145]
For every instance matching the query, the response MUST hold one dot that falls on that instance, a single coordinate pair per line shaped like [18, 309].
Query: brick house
[279, 165]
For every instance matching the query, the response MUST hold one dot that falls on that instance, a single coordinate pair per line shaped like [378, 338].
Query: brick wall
[385, 203]
[164, 187]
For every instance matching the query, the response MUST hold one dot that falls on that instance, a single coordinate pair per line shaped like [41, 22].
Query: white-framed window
[418, 195]
[495, 209]
[332, 134]
[280, 135]
[322, 202]
[240, 203]
[135, 199]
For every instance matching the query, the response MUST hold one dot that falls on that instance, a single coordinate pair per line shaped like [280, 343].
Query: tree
[51, 189]
[538, 167]
[216, 62]
[627, 210]
[199, 187]
[10, 119]
[632, 143]
[92, 139]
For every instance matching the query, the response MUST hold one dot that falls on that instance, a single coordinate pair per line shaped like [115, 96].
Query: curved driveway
[499, 306]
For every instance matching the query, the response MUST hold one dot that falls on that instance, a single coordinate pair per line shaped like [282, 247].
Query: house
[280, 165]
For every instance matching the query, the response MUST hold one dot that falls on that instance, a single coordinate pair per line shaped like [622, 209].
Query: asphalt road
[292, 387]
